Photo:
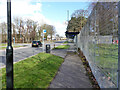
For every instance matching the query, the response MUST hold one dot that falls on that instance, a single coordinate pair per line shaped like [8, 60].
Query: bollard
[47, 48]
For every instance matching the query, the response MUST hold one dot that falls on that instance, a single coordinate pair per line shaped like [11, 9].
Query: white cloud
[20, 8]
[60, 27]
[26, 9]
[3, 11]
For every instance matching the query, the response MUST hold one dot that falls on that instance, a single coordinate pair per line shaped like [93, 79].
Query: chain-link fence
[98, 40]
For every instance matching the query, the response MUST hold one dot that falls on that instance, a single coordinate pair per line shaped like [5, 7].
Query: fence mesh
[0, 58]
[98, 40]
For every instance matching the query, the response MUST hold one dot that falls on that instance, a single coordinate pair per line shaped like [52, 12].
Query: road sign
[44, 31]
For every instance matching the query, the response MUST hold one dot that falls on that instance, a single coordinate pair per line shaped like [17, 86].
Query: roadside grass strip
[13, 47]
[65, 42]
[3, 44]
[34, 72]
[62, 47]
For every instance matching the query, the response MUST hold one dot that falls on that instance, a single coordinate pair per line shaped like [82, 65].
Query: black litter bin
[47, 48]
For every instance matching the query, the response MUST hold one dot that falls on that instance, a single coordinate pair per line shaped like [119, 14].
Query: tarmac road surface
[24, 52]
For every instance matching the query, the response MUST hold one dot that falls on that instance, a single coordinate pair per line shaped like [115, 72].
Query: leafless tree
[4, 31]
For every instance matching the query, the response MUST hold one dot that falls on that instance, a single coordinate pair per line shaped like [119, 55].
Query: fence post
[119, 45]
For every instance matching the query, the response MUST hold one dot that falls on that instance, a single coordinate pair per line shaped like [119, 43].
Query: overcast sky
[54, 13]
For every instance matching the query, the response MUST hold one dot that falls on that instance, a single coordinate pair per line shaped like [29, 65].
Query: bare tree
[80, 13]
[14, 31]
[26, 31]
[17, 27]
[29, 30]
[33, 32]
[4, 31]
[50, 30]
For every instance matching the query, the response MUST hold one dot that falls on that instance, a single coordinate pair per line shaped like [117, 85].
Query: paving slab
[59, 52]
[72, 73]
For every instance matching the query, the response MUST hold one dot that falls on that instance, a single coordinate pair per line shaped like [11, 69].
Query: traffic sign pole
[44, 31]
[43, 42]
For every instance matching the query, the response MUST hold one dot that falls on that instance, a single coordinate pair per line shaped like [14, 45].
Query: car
[36, 44]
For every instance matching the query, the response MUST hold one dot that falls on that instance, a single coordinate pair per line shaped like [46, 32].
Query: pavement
[72, 73]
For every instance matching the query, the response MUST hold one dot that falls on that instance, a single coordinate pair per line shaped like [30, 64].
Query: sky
[53, 13]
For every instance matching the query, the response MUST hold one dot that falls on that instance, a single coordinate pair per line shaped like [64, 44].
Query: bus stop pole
[43, 41]
[9, 49]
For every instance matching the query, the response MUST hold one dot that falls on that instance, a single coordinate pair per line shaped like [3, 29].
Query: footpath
[72, 73]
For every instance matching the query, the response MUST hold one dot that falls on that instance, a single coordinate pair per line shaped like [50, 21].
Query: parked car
[36, 44]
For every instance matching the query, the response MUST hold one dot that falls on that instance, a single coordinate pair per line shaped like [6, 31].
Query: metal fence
[98, 40]
[0, 60]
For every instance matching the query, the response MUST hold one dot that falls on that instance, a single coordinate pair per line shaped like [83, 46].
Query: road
[24, 52]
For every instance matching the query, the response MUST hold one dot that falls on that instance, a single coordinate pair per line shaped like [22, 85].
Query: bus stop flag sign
[44, 31]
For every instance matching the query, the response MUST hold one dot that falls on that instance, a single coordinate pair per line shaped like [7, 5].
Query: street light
[9, 50]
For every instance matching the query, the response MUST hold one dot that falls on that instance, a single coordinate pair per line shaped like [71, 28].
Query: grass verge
[62, 47]
[35, 72]
[65, 42]
[13, 47]
[3, 44]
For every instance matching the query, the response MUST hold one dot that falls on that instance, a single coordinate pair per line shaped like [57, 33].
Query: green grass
[62, 47]
[13, 47]
[3, 44]
[108, 54]
[107, 58]
[65, 42]
[35, 72]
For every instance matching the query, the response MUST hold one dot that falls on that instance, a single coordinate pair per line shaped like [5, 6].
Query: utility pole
[67, 22]
[68, 15]
[43, 41]
[44, 31]
[118, 45]
[9, 50]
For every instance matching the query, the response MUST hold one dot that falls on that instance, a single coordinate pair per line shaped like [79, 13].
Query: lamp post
[9, 49]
